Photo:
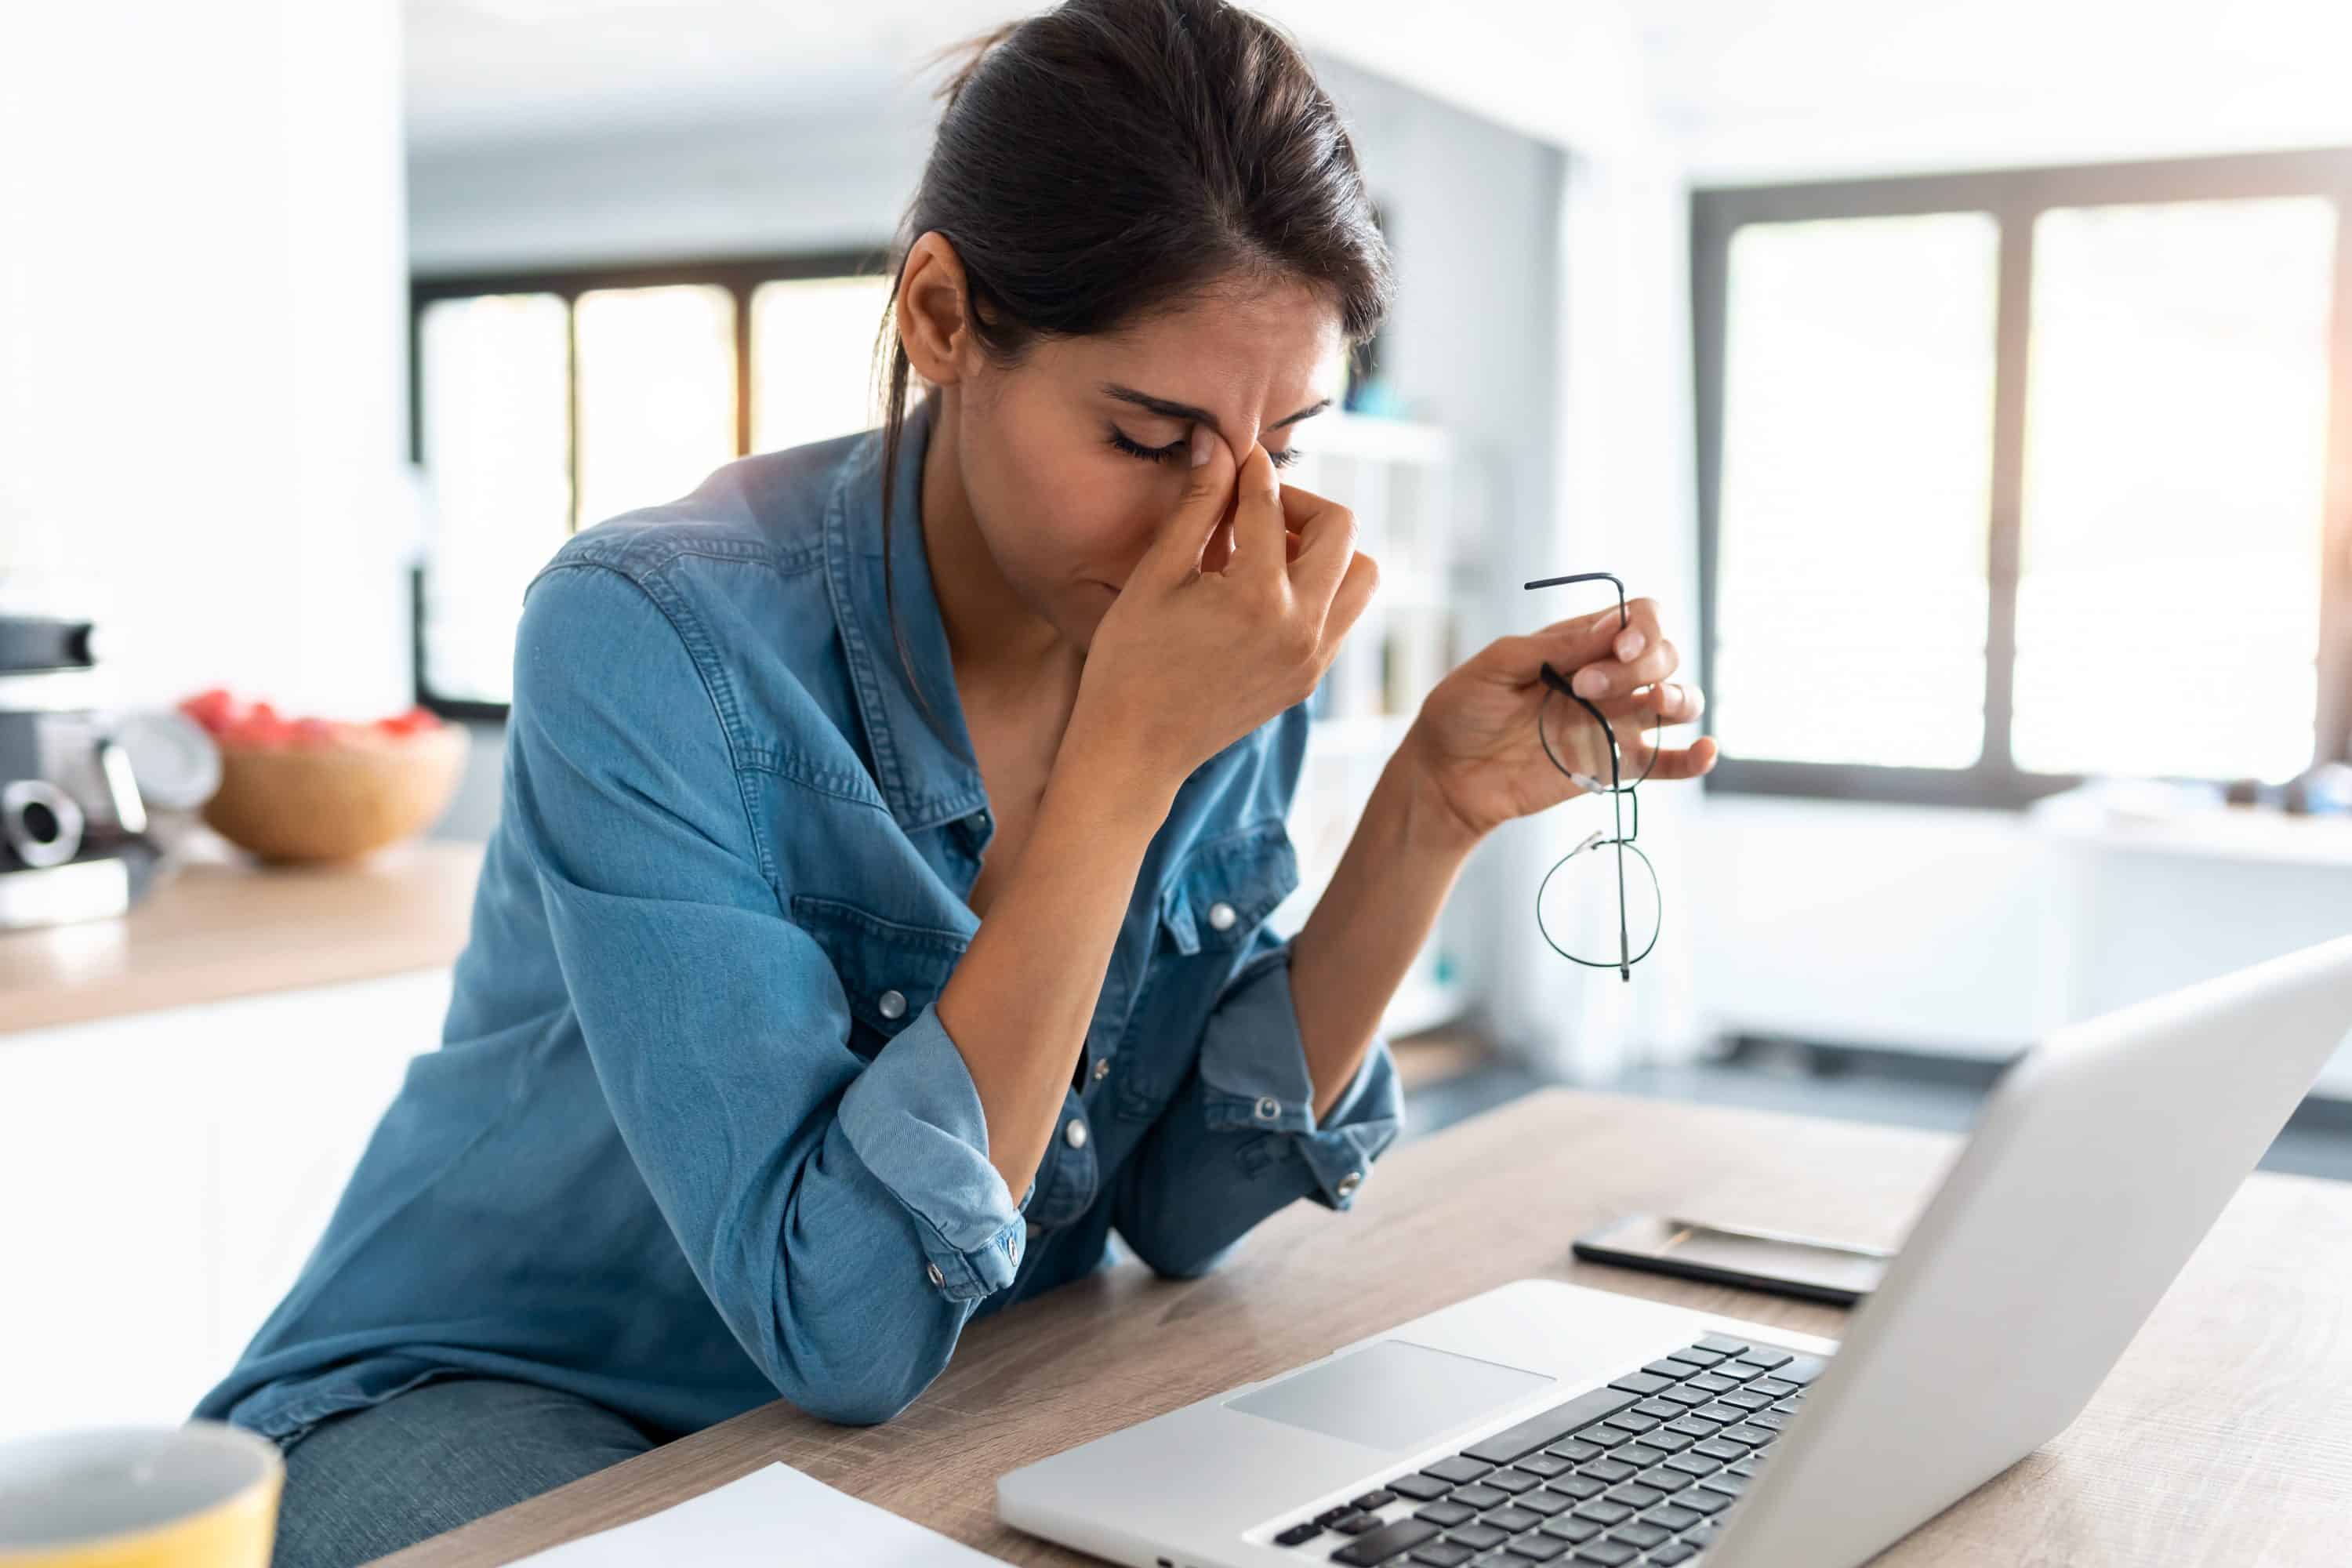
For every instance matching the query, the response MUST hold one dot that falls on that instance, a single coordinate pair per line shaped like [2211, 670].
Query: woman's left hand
[1474, 739]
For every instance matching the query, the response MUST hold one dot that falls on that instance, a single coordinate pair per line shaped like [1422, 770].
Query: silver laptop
[1544, 1423]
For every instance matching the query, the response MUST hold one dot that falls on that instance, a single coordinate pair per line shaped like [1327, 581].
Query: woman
[876, 919]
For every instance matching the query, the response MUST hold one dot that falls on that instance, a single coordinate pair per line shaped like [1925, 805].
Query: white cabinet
[162, 1176]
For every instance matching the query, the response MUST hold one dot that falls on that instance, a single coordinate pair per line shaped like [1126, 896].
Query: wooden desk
[2224, 1437]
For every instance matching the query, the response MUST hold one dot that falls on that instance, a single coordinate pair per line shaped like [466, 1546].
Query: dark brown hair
[1110, 158]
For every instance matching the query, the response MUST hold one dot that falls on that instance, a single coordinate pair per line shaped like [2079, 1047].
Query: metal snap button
[1074, 1133]
[1222, 916]
[891, 1003]
[1349, 1182]
[1268, 1108]
[933, 1270]
[1102, 1069]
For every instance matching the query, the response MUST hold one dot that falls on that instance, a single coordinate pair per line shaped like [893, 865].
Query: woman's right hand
[1187, 660]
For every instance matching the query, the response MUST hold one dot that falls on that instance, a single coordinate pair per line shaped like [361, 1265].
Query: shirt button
[892, 1003]
[933, 1270]
[1102, 1069]
[1074, 1133]
[1268, 1108]
[1349, 1182]
[1222, 916]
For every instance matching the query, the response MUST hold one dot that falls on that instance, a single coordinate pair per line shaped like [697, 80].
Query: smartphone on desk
[1725, 1255]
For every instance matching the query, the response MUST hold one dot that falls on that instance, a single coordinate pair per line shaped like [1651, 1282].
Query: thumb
[1176, 549]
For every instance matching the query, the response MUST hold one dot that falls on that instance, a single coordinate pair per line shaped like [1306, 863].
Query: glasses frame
[1621, 795]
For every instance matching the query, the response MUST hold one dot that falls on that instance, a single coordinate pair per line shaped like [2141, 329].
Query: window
[2009, 479]
[543, 404]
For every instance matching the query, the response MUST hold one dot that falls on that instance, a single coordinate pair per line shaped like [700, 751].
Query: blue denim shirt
[695, 1136]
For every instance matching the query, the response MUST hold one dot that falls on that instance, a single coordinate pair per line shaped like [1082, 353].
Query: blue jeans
[363, 1485]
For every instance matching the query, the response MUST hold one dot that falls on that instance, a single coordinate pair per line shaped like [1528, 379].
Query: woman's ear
[934, 311]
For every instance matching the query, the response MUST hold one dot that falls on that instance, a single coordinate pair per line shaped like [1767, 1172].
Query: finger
[1257, 521]
[1666, 703]
[1356, 588]
[1326, 532]
[1565, 646]
[1175, 552]
[1615, 677]
[1679, 761]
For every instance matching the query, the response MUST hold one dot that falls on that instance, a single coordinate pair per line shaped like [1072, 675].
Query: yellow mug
[199, 1495]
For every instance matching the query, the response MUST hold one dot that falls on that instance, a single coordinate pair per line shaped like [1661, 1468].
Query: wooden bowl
[296, 803]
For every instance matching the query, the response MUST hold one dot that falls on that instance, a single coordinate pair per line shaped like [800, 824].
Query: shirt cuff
[1253, 1078]
[914, 1117]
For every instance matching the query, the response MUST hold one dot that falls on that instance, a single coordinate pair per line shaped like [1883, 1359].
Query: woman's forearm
[1346, 961]
[1023, 996]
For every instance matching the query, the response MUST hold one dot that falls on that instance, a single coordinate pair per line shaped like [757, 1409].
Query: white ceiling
[1741, 88]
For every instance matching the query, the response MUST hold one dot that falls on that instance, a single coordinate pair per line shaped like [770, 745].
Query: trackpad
[1393, 1394]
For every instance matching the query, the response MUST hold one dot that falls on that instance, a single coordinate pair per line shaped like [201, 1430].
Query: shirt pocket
[889, 970]
[1209, 909]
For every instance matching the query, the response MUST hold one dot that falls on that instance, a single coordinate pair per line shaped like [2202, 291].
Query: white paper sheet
[770, 1517]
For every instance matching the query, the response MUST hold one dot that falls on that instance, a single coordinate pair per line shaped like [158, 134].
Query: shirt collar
[929, 774]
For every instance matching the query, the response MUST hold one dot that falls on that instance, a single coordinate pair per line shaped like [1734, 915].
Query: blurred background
[1971, 384]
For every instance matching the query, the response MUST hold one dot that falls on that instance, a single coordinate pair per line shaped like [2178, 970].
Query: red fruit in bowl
[317, 733]
[215, 709]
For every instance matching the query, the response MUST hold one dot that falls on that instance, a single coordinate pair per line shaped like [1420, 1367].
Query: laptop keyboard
[1635, 1473]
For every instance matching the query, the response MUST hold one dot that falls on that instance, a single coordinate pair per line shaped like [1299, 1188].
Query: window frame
[740, 276]
[2014, 198]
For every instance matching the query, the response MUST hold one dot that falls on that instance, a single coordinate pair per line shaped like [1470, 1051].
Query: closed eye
[1177, 450]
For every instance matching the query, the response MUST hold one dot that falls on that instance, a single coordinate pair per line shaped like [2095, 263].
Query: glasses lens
[1580, 911]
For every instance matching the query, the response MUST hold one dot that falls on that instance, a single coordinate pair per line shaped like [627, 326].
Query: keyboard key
[1747, 1436]
[1479, 1537]
[1477, 1494]
[1380, 1545]
[1631, 1421]
[1765, 1358]
[1571, 1529]
[1511, 1520]
[1716, 1448]
[1726, 1414]
[1640, 1382]
[1770, 1420]
[1512, 1482]
[1669, 1518]
[1714, 1382]
[1542, 1431]
[1633, 1532]
[1699, 1499]
[1576, 1451]
[1641, 1455]
[1658, 1477]
[1458, 1469]
[1420, 1488]
[1699, 1355]
[1775, 1387]
[1357, 1524]
[1544, 1502]
[1688, 1395]
[1746, 1467]
[1606, 1553]
[1722, 1342]
[1298, 1532]
[1671, 1552]
[1749, 1399]
[1726, 1483]
[1545, 1464]
[1609, 1470]
[1579, 1486]
[1442, 1555]
[1658, 1409]
[1332, 1516]
[1694, 1463]
[1800, 1369]
[1600, 1510]
[1694, 1427]
[1446, 1513]
[1632, 1494]
[1666, 1440]
[1531, 1549]
[1669, 1367]
[1372, 1501]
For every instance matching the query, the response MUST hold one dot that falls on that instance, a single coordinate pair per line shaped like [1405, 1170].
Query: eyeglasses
[1583, 873]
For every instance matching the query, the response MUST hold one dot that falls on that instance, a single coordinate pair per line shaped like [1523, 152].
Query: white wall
[202, 368]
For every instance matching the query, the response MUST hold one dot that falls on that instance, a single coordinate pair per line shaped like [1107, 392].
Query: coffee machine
[74, 836]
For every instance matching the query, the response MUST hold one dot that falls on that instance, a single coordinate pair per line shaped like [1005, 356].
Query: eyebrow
[1168, 409]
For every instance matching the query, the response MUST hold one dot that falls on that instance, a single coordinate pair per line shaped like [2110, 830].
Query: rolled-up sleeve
[843, 1216]
[1240, 1139]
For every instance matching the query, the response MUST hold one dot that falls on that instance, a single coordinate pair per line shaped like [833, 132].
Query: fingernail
[1628, 644]
[1590, 683]
[1201, 439]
